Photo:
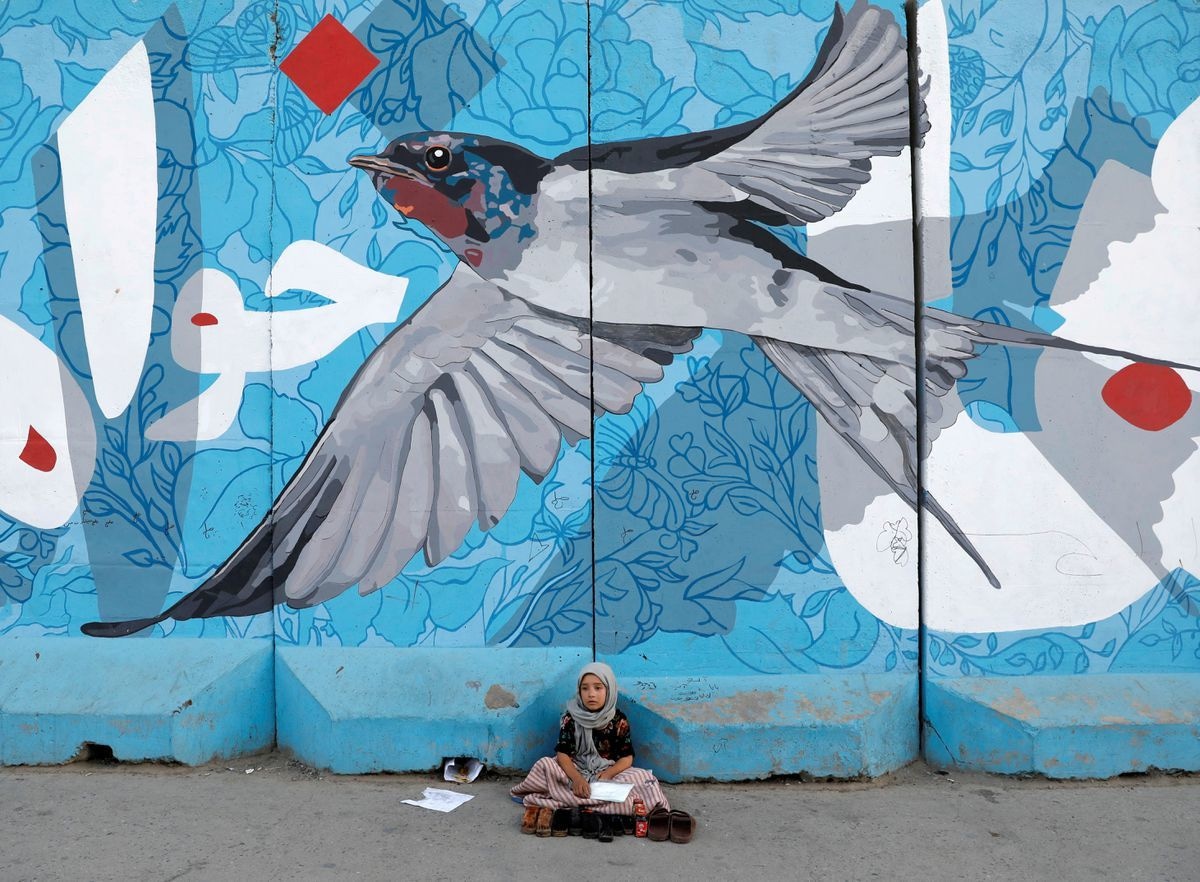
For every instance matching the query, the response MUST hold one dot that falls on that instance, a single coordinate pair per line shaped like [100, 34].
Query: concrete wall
[350, 420]
[1070, 140]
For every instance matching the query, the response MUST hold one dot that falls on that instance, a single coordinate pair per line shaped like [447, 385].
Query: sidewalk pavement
[267, 817]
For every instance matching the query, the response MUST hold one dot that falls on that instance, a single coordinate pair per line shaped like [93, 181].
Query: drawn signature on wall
[894, 538]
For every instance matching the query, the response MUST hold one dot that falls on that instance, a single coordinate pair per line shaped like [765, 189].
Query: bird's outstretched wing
[804, 159]
[872, 404]
[429, 438]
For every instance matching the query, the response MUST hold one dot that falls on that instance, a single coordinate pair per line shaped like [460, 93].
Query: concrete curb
[740, 728]
[1093, 726]
[182, 700]
[356, 710]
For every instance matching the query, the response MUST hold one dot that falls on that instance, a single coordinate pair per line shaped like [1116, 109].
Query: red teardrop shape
[1149, 396]
[38, 454]
[204, 319]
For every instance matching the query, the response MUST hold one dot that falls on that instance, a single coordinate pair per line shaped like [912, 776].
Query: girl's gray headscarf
[587, 760]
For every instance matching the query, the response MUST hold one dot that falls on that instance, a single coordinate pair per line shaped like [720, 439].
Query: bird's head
[469, 190]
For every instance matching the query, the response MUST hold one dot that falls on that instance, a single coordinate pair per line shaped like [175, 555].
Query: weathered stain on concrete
[1158, 714]
[827, 713]
[1018, 705]
[497, 697]
[751, 705]
[474, 684]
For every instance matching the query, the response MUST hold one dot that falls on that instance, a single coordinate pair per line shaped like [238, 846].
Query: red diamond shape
[328, 64]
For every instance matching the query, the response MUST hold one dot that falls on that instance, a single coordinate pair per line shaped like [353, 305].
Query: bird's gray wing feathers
[871, 403]
[804, 159]
[428, 439]
[812, 153]
[431, 436]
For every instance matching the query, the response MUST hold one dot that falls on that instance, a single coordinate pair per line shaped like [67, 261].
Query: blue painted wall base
[181, 700]
[1092, 726]
[354, 710]
[738, 728]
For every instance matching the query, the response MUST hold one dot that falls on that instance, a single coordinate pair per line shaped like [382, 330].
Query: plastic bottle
[640, 819]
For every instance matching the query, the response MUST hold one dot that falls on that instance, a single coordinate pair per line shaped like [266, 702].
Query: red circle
[204, 319]
[1149, 396]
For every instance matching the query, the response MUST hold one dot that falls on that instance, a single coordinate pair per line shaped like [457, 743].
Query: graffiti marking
[894, 538]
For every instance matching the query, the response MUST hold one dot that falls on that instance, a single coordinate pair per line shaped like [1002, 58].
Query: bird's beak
[375, 164]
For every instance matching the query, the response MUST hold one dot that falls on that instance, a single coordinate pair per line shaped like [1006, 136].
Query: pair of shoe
[538, 820]
[676, 826]
[601, 827]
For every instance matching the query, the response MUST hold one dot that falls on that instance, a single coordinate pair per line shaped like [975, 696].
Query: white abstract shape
[108, 151]
[361, 296]
[1059, 561]
[206, 416]
[1139, 302]
[1179, 530]
[875, 557]
[1175, 162]
[933, 155]
[39, 394]
[1120, 205]
[212, 332]
[877, 222]
[237, 341]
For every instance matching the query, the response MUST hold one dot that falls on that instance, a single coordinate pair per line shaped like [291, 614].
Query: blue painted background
[708, 543]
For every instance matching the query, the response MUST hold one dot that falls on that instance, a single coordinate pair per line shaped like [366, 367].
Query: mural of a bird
[521, 348]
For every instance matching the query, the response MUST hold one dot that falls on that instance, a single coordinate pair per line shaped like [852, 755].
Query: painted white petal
[109, 161]
[47, 436]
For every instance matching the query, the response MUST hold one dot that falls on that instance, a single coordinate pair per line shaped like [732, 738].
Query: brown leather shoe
[658, 826]
[545, 818]
[529, 819]
[682, 826]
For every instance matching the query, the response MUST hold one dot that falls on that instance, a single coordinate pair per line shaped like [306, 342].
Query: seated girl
[594, 744]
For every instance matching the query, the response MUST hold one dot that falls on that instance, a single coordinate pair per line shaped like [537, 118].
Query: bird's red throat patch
[422, 202]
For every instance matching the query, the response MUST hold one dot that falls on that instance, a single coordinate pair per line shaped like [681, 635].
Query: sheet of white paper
[462, 774]
[440, 800]
[610, 791]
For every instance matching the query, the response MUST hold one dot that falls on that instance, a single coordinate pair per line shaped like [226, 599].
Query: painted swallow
[522, 348]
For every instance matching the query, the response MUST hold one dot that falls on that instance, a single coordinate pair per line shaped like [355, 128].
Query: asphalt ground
[268, 817]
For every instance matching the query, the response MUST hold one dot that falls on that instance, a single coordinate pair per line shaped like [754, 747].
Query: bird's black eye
[437, 158]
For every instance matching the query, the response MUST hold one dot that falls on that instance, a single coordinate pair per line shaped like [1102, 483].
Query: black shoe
[560, 824]
[617, 824]
[628, 825]
[591, 825]
[606, 833]
[575, 825]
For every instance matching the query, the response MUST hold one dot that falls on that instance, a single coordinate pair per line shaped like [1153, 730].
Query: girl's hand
[605, 775]
[580, 788]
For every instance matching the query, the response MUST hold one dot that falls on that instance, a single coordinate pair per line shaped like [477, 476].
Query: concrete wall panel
[589, 327]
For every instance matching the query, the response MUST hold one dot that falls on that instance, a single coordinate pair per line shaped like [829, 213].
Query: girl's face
[592, 692]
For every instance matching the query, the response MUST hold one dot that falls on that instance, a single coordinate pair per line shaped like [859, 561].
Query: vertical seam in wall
[914, 117]
[277, 36]
[591, 339]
